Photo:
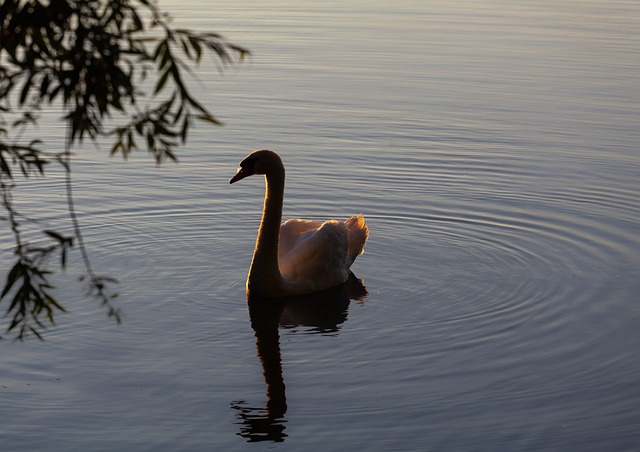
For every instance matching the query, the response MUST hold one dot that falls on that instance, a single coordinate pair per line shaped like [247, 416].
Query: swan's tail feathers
[358, 234]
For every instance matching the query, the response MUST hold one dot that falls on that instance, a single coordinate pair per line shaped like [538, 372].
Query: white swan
[299, 256]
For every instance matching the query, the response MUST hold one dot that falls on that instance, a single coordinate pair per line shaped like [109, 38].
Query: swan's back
[317, 255]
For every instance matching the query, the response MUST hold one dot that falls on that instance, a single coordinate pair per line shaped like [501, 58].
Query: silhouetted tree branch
[93, 58]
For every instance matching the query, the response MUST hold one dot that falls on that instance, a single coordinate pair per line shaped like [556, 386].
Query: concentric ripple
[495, 245]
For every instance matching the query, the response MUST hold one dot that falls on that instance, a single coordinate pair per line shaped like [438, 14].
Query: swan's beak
[242, 173]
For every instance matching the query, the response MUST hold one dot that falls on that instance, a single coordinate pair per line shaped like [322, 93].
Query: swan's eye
[248, 164]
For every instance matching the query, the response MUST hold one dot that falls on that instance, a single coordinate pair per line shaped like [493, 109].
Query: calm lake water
[493, 148]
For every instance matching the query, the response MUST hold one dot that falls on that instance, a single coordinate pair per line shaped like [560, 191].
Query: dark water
[493, 149]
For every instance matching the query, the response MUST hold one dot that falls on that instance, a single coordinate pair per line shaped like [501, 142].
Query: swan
[300, 256]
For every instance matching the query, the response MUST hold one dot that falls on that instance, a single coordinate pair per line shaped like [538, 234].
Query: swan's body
[299, 256]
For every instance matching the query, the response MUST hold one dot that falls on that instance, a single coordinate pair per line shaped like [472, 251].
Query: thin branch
[7, 203]
[97, 284]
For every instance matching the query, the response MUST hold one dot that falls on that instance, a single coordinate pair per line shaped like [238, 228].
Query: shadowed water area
[493, 149]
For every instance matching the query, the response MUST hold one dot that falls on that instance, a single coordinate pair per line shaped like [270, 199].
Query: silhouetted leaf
[210, 119]
[185, 129]
[4, 167]
[55, 235]
[195, 43]
[12, 278]
[161, 82]
[44, 85]
[25, 89]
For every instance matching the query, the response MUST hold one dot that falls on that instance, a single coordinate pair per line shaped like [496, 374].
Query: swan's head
[258, 162]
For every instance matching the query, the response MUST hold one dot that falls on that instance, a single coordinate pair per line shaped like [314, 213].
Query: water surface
[493, 150]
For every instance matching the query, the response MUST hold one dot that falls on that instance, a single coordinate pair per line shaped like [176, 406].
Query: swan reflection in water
[323, 312]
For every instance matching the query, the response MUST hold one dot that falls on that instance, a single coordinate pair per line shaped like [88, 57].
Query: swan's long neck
[264, 275]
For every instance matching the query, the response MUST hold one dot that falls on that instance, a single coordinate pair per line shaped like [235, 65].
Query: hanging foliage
[93, 57]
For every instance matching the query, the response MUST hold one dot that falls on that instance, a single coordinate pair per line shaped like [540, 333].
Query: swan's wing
[290, 232]
[314, 253]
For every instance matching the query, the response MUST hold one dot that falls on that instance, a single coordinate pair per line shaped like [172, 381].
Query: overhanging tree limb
[91, 57]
